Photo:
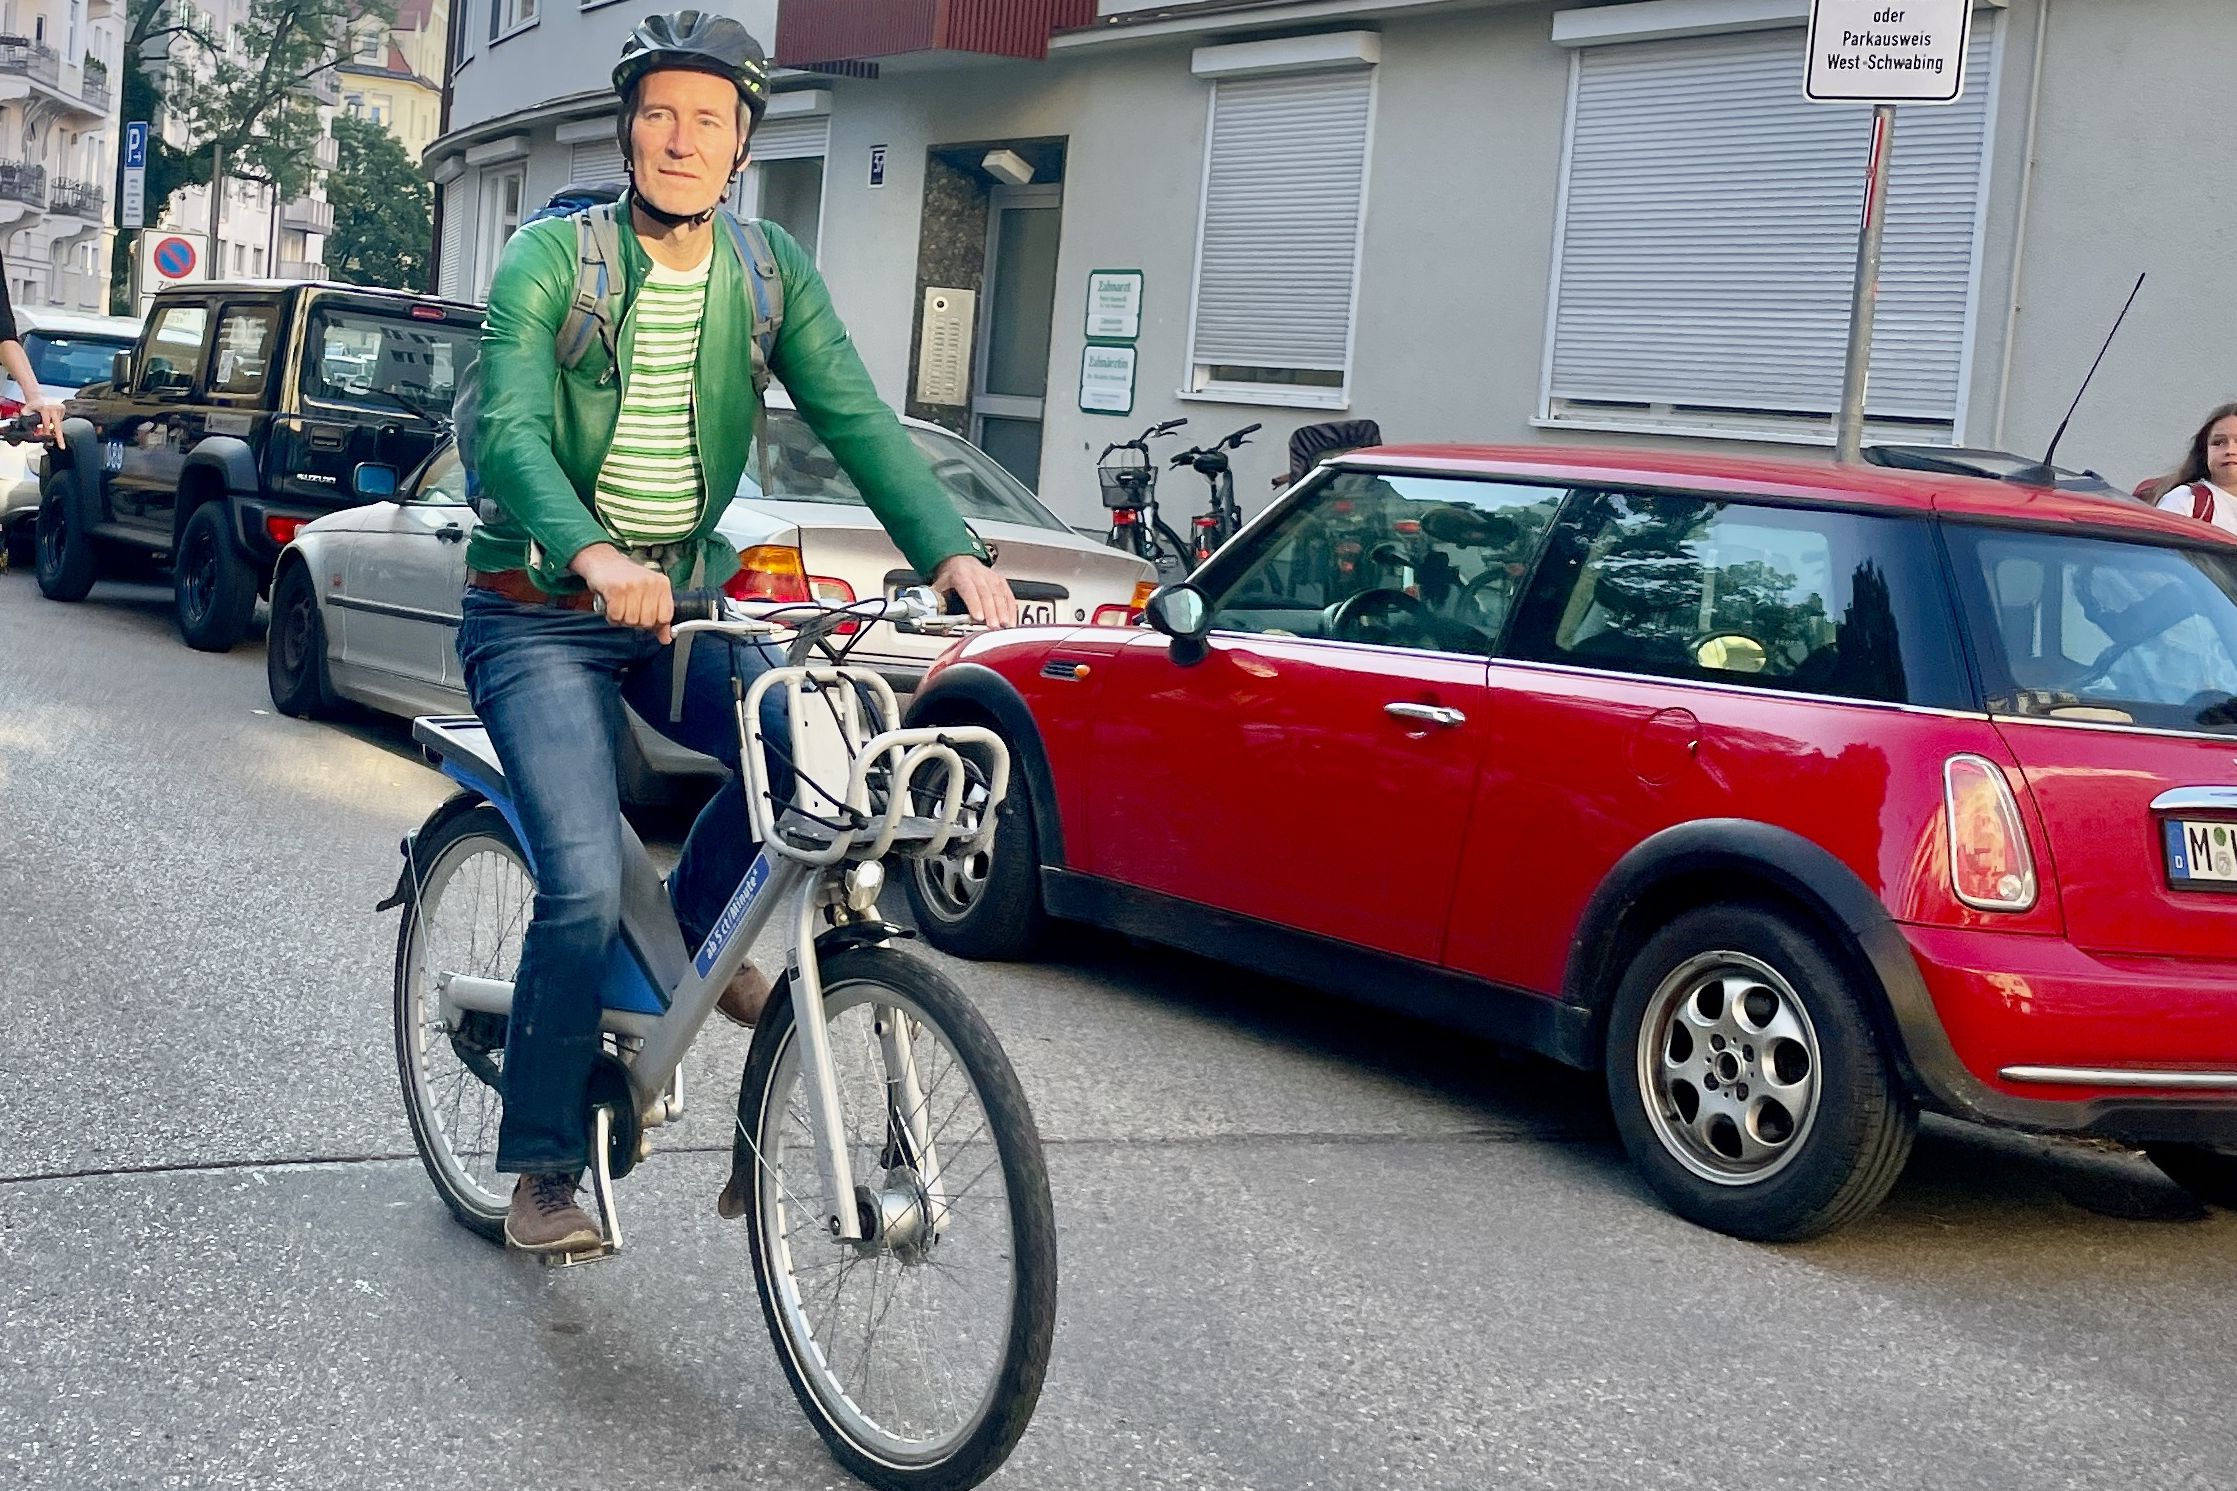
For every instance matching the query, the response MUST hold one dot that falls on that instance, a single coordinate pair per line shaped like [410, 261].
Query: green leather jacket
[542, 434]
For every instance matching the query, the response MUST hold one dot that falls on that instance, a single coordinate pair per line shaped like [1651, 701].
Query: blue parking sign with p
[136, 145]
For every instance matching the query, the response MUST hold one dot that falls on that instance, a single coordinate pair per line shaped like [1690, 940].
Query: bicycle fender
[841, 939]
[406, 885]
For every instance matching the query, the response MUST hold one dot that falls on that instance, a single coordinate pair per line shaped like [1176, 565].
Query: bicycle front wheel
[919, 1352]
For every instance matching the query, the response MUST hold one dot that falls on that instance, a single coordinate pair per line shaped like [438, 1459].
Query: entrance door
[1012, 377]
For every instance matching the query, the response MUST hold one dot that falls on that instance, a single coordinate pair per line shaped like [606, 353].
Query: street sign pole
[1849, 437]
[1879, 52]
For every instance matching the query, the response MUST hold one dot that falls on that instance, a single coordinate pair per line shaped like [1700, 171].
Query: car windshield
[356, 357]
[2078, 628]
[802, 469]
[72, 359]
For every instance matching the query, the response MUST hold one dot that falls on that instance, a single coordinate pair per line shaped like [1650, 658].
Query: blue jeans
[549, 686]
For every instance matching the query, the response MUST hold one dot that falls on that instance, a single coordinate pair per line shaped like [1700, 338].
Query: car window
[444, 481]
[803, 469]
[2069, 627]
[1806, 600]
[175, 349]
[1427, 562]
[65, 359]
[244, 350]
[360, 358]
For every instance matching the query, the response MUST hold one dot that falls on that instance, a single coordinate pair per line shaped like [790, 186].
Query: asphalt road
[1302, 1246]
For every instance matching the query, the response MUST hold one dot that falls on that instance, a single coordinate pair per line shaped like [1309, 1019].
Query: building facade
[394, 75]
[58, 148]
[259, 235]
[1509, 221]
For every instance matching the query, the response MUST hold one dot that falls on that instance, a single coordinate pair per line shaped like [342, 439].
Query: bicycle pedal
[577, 1259]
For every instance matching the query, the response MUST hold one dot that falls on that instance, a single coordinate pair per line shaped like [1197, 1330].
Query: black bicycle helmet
[700, 42]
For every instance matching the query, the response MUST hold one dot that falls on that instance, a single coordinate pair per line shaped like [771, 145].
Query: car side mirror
[120, 371]
[373, 482]
[1182, 613]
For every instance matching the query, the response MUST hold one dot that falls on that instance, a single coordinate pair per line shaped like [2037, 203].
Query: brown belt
[514, 585]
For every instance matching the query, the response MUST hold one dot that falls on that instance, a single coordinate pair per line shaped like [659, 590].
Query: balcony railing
[76, 199]
[323, 87]
[95, 89]
[328, 153]
[34, 59]
[308, 215]
[21, 181]
[299, 269]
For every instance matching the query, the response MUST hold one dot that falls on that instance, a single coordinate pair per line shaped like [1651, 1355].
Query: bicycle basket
[1127, 483]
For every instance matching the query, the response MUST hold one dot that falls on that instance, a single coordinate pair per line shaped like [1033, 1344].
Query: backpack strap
[597, 281]
[2202, 502]
[765, 282]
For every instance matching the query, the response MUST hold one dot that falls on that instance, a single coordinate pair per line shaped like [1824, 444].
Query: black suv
[243, 413]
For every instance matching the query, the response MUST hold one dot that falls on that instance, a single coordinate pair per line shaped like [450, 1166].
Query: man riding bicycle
[608, 476]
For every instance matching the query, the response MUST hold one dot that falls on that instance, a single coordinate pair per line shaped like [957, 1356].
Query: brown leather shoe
[545, 1218]
[747, 996]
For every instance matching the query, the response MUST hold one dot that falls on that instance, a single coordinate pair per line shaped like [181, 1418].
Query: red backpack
[2202, 502]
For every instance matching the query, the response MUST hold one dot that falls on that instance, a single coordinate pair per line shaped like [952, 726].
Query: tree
[239, 94]
[383, 210]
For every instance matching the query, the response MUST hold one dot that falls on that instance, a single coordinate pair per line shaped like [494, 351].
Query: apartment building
[394, 75]
[58, 148]
[1485, 220]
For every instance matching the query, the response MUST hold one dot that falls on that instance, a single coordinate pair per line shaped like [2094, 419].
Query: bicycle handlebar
[20, 428]
[1142, 441]
[916, 609]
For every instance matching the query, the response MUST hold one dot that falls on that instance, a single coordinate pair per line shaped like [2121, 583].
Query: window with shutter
[1277, 267]
[596, 161]
[1706, 254]
[453, 272]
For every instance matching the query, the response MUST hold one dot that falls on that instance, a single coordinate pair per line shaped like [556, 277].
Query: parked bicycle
[1224, 518]
[886, 1162]
[1129, 485]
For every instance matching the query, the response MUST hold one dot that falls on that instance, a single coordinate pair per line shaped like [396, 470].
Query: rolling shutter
[1285, 184]
[595, 161]
[791, 138]
[453, 273]
[1708, 247]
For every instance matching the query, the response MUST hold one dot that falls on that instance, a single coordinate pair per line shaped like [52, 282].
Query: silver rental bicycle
[885, 1159]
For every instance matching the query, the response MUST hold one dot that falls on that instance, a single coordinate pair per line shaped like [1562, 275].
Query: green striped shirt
[648, 490]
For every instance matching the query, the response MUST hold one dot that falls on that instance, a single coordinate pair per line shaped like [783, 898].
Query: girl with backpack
[2205, 485]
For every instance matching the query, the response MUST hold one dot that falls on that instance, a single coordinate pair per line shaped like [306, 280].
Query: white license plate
[2200, 853]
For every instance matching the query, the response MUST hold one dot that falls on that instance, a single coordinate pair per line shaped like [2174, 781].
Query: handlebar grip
[20, 427]
[698, 605]
[1246, 430]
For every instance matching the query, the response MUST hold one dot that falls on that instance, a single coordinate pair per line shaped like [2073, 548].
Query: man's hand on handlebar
[634, 594]
[50, 419]
[981, 588]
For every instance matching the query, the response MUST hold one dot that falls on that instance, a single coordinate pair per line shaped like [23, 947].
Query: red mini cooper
[1798, 798]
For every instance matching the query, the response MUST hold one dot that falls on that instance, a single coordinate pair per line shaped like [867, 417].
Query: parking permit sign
[1888, 51]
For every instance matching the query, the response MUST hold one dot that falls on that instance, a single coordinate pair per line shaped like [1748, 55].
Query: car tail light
[283, 530]
[10, 408]
[1143, 590]
[835, 593]
[769, 572]
[1991, 866]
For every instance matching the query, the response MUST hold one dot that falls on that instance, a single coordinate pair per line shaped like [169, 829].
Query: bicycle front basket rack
[831, 713]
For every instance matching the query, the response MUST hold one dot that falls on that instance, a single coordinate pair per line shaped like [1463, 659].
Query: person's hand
[50, 418]
[985, 594]
[636, 594]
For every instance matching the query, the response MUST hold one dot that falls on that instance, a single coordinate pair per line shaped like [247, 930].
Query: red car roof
[1755, 476]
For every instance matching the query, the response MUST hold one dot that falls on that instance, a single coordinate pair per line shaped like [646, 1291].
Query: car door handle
[1434, 714]
[451, 533]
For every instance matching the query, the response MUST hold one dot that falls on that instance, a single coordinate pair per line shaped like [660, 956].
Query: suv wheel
[214, 585]
[985, 906]
[295, 649]
[2209, 1174]
[64, 550]
[1747, 1082]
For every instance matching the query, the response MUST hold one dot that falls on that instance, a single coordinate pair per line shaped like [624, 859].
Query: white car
[68, 349]
[365, 602]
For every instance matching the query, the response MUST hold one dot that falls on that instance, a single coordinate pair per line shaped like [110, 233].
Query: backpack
[2202, 503]
[590, 321]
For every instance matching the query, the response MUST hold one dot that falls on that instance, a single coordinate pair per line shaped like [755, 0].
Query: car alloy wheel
[1729, 1068]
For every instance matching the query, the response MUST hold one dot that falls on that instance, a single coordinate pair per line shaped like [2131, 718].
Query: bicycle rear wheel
[472, 905]
[918, 1354]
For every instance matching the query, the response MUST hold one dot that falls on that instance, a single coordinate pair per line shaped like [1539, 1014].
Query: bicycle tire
[934, 1006]
[436, 859]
